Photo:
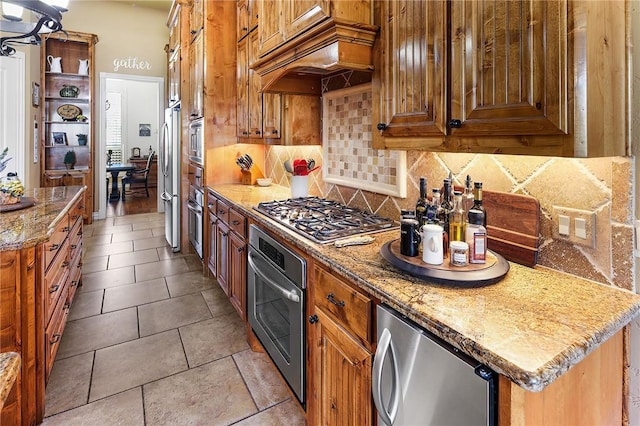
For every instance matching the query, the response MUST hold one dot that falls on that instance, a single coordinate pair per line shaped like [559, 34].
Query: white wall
[141, 105]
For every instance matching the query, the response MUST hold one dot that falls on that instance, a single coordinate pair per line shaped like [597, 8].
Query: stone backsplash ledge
[601, 185]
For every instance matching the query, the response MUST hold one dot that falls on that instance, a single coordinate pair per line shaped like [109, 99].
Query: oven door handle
[194, 207]
[283, 292]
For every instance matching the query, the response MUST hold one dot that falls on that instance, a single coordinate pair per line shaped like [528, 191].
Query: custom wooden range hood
[297, 66]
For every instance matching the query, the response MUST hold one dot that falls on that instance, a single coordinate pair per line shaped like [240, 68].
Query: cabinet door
[243, 88]
[213, 245]
[238, 274]
[303, 14]
[271, 28]
[243, 18]
[341, 373]
[255, 94]
[196, 77]
[409, 83]
[196, 20]
[222, 256]
[174, 76]
[509, 68]
[272, 115]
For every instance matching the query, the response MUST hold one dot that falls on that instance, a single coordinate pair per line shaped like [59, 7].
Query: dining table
[115, 170]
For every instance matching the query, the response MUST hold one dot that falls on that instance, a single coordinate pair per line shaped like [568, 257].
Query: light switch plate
[581, 227]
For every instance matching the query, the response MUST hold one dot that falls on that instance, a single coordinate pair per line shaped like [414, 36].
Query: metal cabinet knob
[313, 319]
[455, 123]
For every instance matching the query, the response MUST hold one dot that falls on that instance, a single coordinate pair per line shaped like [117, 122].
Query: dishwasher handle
[385, 347]
[282, 291]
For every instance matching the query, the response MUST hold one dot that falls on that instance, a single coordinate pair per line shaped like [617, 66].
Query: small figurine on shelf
[82, 139]
[70, 159]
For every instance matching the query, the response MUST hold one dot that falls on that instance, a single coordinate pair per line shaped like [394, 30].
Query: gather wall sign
[132, 63]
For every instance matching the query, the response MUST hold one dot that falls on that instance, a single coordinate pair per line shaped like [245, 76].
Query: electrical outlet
[580, 228]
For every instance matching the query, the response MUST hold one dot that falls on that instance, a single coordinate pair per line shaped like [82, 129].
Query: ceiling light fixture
[48, 13]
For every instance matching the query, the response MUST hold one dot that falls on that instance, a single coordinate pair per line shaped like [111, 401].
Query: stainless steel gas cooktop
[323, 221]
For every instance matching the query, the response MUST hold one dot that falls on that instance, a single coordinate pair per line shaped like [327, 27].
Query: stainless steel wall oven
[276, 282]
[195, 205]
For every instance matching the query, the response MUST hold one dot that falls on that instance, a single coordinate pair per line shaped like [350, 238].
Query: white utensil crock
[299, 186]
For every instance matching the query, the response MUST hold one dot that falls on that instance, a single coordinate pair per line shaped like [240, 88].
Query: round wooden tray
[473, 275]
[22, 204]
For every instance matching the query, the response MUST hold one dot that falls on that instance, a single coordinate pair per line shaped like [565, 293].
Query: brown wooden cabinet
[340, 353]
[227, 257]
[196, 77]
[196, 17]
[17, 331]
[68, 113]
[37, 286]
[509, 78]
[258, 114]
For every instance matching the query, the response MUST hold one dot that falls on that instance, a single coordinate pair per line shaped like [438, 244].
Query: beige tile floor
[151, 341]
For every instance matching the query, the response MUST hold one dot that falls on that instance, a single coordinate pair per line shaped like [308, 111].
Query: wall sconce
[48, 13]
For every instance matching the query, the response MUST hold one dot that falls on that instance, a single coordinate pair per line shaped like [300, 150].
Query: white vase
[83, 67]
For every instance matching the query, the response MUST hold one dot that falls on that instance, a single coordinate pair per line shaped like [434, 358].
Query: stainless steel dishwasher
[418, 379]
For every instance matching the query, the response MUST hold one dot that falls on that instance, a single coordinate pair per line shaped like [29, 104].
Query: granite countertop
[532, 326]
[9, 370]
[28, 227]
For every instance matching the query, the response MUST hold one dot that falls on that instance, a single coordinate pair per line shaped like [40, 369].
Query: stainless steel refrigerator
[170, 165]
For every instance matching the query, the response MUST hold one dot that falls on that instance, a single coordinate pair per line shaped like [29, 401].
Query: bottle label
[479, 248]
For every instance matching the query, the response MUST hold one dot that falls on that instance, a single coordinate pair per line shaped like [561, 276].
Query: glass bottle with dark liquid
[422, 203]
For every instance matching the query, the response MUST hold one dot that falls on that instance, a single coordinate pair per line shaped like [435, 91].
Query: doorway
[12, 113]
[131, 117]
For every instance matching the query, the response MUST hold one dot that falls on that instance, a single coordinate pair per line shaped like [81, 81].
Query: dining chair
[138, 177]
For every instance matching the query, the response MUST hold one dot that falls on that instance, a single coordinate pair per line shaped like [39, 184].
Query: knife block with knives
[248, 170]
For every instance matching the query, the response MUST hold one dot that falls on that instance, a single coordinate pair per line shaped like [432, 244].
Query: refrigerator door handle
[385, 347]
[165, 143]
[165, 196]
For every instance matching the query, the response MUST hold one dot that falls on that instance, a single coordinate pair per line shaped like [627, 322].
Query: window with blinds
[113, 114]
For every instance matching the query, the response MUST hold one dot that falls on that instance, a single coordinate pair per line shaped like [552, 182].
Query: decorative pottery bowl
[264, 181]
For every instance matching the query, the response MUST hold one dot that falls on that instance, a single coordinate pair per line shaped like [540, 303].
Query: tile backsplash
[602, 185]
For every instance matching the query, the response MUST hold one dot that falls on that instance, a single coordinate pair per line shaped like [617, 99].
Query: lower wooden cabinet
[340, 362]
[238, 274]
[227, 254]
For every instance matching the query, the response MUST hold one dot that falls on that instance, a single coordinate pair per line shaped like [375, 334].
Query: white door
[12, 114]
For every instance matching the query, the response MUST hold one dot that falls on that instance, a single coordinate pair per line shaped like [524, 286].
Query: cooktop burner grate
[322, 220]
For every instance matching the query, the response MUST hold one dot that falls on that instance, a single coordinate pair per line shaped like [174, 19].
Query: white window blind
[113, 114]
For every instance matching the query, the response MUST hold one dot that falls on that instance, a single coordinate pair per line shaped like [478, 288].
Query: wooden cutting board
[513, 226]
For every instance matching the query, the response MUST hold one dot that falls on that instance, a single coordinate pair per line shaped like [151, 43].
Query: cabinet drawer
[349, 307]
[212, 203]
[55, 281]
[222, 211]
[75, 239]
[238, 223]
[75, 276]
[53, 334]
[53, 246]
[76, 212]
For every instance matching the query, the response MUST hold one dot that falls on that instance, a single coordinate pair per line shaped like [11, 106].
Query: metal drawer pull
[74, 246]
[332, 298]
[55, 339]
[54, 247]
[54, 288]
[66, 229]
[74, 283]
[235, 222]
[65, 264]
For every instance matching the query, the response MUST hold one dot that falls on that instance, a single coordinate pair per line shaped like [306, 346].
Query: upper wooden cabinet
[301, 15]
[196, 17]
[518, 77]
[196, 77]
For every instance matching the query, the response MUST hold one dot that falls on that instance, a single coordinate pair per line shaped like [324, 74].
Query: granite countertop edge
[393, 283]
[34, 223]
